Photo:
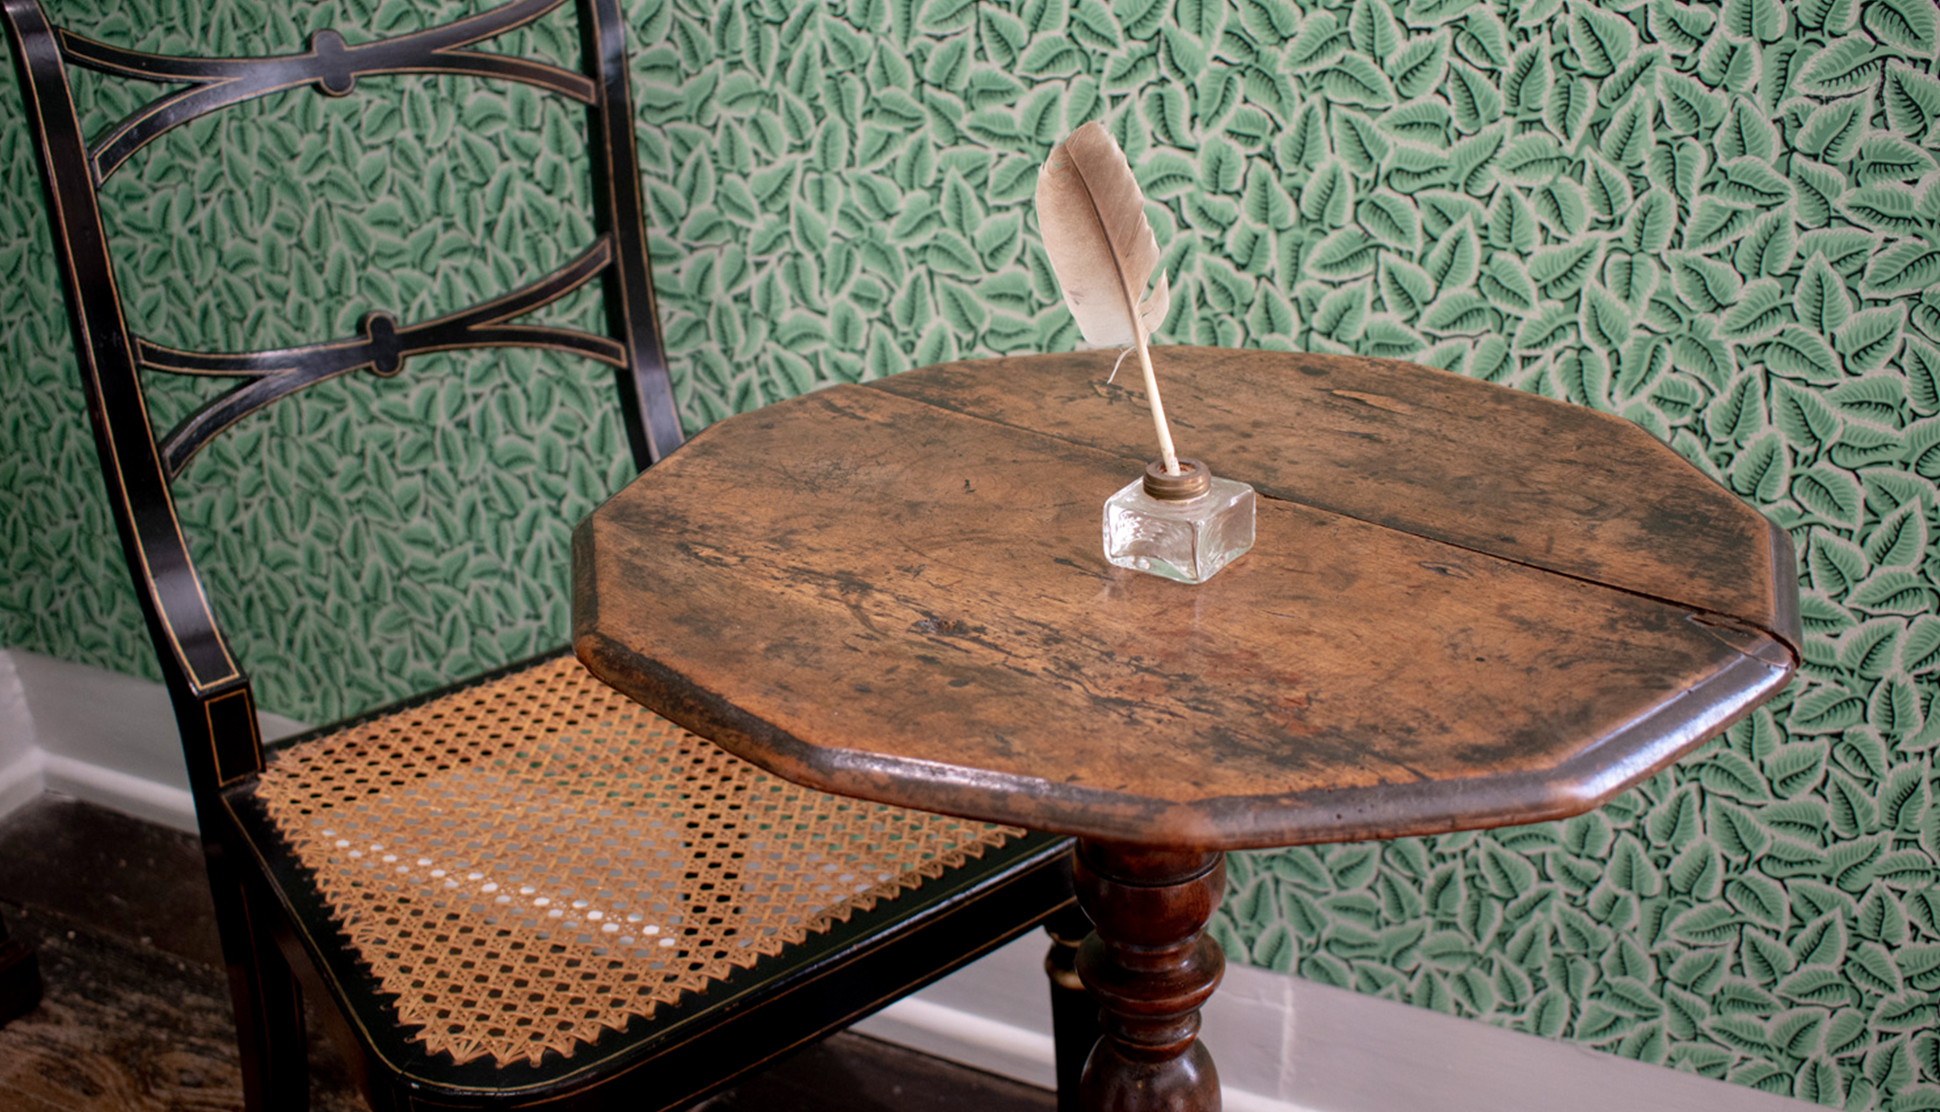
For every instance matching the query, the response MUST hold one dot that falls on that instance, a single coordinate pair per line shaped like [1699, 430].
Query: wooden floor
[136, 1014]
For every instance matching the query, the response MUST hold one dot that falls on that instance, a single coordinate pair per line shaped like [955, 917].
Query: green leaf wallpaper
[1721, 221]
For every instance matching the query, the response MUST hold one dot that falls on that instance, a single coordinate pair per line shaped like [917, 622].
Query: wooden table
[1466, 607]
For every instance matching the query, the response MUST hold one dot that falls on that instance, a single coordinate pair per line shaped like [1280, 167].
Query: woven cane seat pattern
[533, 860]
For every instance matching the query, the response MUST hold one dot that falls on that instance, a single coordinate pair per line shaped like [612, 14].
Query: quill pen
[1092, 216]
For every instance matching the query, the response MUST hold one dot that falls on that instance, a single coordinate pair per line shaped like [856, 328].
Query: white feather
[1091, 213]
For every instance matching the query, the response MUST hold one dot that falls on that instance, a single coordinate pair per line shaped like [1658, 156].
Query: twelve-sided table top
[1467, 606]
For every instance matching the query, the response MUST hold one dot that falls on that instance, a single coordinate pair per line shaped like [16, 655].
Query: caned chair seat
[529, 862]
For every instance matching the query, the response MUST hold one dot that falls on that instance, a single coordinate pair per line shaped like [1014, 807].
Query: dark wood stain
[1500, 471]
[931, 549]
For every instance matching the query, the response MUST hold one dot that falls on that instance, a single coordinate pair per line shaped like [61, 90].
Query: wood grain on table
[1465, 606]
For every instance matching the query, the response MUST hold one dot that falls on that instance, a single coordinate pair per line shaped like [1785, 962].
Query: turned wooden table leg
[1151, 965]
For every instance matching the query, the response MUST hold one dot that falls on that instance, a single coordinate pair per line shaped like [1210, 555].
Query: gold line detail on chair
[535, 859]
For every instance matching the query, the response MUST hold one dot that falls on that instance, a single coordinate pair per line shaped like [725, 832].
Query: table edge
[1227, 822]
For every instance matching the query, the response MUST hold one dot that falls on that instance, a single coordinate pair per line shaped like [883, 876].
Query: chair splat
[381, 347]
[330, 64]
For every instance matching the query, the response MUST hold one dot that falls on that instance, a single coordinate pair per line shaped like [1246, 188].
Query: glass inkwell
[1184, 527]
[1177, 521]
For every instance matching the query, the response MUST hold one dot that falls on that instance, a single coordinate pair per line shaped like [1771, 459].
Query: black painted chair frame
[265, 906]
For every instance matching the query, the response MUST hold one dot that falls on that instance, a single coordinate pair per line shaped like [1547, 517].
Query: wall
[1719, 221]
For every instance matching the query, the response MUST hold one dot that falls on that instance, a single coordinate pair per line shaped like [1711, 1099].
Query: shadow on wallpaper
[1720, 221]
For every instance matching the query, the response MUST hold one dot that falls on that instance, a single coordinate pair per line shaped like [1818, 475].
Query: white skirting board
[95, 735]
[20, 756]
[1280, 1044]
[21, 778]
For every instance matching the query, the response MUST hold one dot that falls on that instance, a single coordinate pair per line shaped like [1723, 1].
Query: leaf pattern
[1721, 221]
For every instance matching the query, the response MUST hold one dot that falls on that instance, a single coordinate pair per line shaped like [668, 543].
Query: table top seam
[1700, 612]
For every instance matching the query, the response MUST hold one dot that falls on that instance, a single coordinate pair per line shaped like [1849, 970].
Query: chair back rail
[212, 696]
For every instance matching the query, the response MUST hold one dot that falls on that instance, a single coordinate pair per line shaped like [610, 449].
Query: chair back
[142, 454]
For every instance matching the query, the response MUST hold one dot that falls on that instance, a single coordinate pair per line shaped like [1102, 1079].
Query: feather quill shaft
[1092, 216]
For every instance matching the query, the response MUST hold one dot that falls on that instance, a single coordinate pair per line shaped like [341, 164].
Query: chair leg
[19, 977]
[268, 1002]
[1074, 1014]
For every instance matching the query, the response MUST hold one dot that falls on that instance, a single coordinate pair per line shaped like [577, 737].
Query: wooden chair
[523, 889]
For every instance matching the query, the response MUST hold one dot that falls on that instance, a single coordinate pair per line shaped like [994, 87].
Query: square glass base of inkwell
[1184, 527]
